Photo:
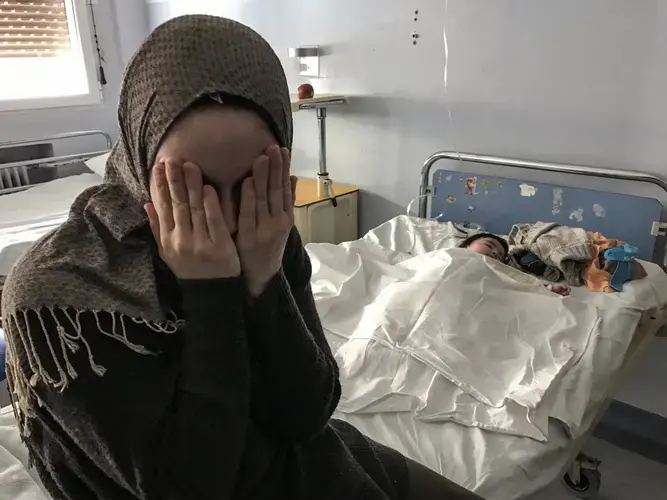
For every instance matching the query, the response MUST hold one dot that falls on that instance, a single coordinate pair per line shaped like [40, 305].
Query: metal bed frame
[53, 160]
[582, 477]
[426, 189]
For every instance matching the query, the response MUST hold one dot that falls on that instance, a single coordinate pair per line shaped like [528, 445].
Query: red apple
[305, 91]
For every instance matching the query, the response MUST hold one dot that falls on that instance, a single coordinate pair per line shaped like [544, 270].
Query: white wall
[568, 80]
[379, 140]
[121, 24]
[565, 80]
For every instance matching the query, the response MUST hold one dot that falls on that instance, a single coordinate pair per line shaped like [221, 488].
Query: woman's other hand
[266, 218]
[187, 222]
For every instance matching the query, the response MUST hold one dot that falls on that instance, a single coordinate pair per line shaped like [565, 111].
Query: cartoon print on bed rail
[558, 201]
[527, 189]
[470, 186]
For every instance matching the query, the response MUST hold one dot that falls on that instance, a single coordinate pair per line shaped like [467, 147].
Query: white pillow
[97, 164]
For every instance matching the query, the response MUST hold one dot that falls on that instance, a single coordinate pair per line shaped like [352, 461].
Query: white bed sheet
[447, 335]
[500, 466]
[28, 215]
[497, 466]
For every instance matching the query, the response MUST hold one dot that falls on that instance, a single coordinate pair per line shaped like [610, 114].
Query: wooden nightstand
[316, 218]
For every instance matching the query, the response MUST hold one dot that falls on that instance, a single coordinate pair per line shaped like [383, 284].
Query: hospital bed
[28, 211]
[499, 465]
[29, 208]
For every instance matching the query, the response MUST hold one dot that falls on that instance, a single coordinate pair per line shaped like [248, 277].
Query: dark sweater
[235, 405]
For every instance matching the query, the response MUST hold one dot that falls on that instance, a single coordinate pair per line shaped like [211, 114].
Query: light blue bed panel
[499, 203]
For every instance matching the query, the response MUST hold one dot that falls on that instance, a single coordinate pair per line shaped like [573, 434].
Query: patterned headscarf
[95, 261]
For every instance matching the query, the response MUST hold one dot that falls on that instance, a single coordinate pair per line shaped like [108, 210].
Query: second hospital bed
[353, 285]
[28, 211]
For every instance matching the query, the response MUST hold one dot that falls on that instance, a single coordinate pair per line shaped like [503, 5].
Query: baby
[497, 248]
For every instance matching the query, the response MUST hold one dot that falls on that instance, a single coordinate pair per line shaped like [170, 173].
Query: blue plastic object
[623, 256]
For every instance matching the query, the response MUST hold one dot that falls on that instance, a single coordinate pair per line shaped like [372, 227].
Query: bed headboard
[14, 175]
[498, 203]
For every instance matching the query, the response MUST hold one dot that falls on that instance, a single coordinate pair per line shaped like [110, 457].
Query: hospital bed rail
[563, 168]
[19, 168]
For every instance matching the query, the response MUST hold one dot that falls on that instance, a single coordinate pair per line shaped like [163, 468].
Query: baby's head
[487, 244]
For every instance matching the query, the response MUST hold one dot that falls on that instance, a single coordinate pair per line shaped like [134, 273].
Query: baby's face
[489, 247]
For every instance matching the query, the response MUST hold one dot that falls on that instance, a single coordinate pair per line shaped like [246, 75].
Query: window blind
[33, 28]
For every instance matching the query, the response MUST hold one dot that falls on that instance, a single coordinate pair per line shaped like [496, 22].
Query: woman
[164, 342]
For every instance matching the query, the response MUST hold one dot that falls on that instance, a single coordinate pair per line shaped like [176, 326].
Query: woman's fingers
[215, 220]
[162, 198]
[195, 189]
[275, 194]
[199, 246]
[179, 197]
[260, 174]
[247, 211]
[286, 182]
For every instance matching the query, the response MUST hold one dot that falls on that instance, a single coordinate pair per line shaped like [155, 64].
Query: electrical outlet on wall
[309, 60]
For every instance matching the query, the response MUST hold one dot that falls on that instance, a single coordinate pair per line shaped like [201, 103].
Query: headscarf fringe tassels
[70, 341]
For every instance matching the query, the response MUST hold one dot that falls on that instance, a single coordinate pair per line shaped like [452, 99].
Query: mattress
[30, 214]
[496, 465]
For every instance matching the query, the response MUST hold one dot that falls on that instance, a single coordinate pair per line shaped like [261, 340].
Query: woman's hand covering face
[266, 217]
[188, 224]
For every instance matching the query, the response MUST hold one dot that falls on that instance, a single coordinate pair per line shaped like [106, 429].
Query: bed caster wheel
[584, 478]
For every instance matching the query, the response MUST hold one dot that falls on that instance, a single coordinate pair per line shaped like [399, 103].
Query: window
[46, 55]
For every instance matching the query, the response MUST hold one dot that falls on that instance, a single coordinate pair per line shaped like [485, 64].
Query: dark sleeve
[168, 425]
[295, 377]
